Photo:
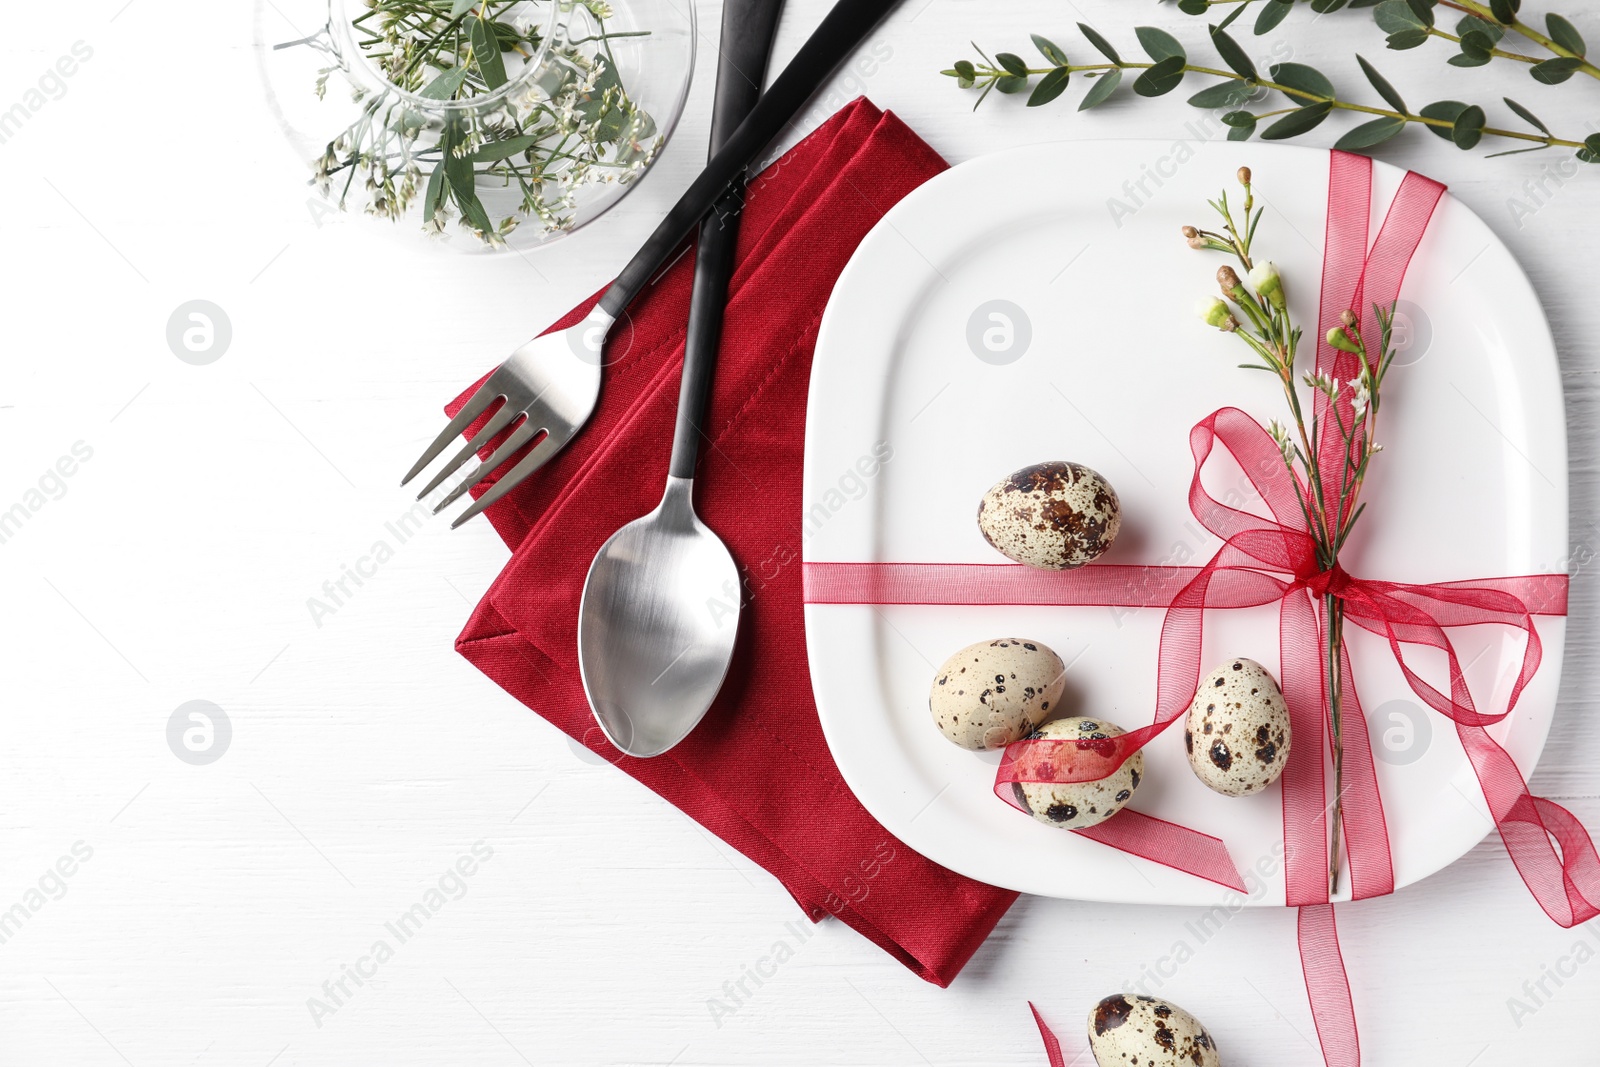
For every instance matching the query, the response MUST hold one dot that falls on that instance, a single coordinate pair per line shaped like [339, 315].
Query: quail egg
[994, 692]
[1051, 515]
[1077, 805]
[1237, 730]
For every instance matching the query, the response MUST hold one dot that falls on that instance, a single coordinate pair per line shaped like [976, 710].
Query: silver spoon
[660, 606]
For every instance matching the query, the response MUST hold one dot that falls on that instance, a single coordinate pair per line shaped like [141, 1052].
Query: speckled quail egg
[1077, 805]
[1126, 1030]
[1237, 730]
[1051, 515]
[994, 692]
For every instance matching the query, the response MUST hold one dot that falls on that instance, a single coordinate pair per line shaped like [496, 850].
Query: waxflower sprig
[1243, 91]
[1478, 33]
[569, 124]
[1255, 309]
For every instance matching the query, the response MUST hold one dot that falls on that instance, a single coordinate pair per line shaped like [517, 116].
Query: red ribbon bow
[1272, 558]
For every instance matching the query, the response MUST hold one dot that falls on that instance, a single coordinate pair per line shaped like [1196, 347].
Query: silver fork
[549, 387]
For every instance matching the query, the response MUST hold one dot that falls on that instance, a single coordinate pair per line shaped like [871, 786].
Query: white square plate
[907, 426]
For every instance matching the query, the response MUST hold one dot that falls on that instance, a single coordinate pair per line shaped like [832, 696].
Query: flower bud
[1199, 242]
[1213, 312]
[1268, 282]
[1340, 340]
[1190, 232]
[1228, 280]
[1348, 317]
[1244, 176]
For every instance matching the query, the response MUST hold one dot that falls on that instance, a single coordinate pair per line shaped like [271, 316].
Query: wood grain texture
[177, 562]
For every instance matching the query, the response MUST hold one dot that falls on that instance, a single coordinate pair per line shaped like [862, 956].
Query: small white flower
[1362, 396]
[1322, 384]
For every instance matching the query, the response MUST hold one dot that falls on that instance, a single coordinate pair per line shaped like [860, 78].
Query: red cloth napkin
[757, 771]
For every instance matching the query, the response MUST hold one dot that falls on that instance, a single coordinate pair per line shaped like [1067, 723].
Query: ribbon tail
[1170, 845]
[1366, 831]
[1052, 1047]
[1328, 986]
[1566, 885]
[1305, 802]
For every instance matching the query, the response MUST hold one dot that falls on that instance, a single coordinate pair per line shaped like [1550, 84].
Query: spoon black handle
[844, 27]
[748, 27]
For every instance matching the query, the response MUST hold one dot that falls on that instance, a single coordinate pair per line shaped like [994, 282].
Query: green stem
[1333, 609]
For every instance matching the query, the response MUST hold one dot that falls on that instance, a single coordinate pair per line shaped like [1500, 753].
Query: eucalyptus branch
[1311, 93]
[1410, 23]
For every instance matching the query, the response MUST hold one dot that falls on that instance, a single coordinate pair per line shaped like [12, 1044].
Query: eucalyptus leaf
[495, 151]
[1233, 55]
[1012, 63]
[1505, 10]
[1297, 122]
[1424, 10]
[1159, 43]
[1161, 78]
[1050, 86]
[1396, 16]
[1468, 130]
[1469, 56]
[1304, 78]
[1527, 116]
[486, 52]
[1272, 13]
[1565, 34]
[1385, 90]
[435, 190]
[1224, 94]
[1405, 39]
[1590, 152]
[1447, 110]
[1010, 83]
[1323, 7]
[445, 86]
[1473, 24]
[461, 7]
[1194, 7]
[1241, 124]
[1050, 50]
[1555, 71]
[1233, 16]
[1100, 43]
[1103, 87]
[1371, 133]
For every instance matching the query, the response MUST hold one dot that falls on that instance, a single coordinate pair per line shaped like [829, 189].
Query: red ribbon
[1272, 558]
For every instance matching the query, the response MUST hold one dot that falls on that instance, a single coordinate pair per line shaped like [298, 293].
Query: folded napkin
[757, 771]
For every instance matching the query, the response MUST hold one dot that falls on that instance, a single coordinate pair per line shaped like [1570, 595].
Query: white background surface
[367, 756]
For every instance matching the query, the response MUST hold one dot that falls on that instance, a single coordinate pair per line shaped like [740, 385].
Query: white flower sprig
[1256, 310]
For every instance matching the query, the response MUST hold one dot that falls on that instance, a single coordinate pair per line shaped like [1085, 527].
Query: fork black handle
[748, 27]
[844, 27]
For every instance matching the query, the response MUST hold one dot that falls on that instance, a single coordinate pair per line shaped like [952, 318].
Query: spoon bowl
[656, 625]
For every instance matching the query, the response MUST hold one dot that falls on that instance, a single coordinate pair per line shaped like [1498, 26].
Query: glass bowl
[485, 124]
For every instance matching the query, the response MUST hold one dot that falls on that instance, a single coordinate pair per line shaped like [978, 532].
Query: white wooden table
[206, 905]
